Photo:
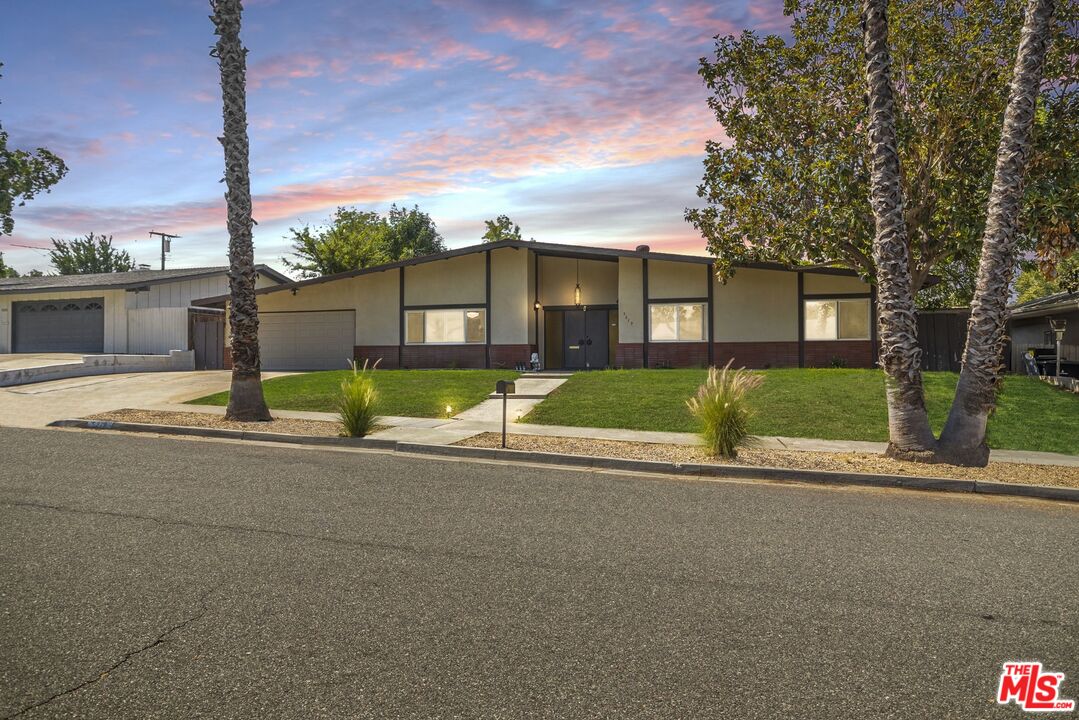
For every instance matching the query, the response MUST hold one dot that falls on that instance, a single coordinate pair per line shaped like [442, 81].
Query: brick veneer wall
[856, 353]
[226, 360]
[757, 355]
[388, 356]
[678, 354]
[443, 356]
[507, 356]
[629, 355]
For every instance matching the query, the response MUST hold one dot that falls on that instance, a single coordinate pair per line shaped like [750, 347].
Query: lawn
[830, 404]
[411, 393]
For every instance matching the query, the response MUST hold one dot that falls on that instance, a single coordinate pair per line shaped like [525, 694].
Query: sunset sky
[584, 121]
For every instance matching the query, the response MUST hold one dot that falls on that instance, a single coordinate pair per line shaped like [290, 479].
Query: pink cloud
[282, 68]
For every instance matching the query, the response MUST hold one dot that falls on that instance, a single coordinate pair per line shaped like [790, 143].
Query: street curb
[226, 434]
[746, 472]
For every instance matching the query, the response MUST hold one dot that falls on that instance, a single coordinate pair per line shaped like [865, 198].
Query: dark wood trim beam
[710, 330]
[676, 300]
[401, 312]
[447, 306]
[801, 321]
[873, 326]
[487, 308]
[535, 301]
[836, 296]
[645, 318]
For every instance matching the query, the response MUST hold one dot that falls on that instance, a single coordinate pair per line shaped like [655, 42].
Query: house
[138, 312]
[493, 305]
[1029, 329]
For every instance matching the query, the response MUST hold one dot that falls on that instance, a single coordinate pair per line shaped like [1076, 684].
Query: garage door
[307, 340]
[69, 326]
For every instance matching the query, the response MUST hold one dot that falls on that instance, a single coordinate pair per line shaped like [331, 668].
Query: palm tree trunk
[246, 401]
[963, 439]
[910, 436]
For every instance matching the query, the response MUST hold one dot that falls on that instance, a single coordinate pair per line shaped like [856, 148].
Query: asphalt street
[146, 577]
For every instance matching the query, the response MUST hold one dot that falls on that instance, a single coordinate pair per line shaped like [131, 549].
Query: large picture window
[676, 322]
[445, 327]
[837, 319]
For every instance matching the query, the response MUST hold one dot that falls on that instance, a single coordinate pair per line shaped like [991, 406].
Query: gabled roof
[1046, 305]
[118, 281]
[582, 252]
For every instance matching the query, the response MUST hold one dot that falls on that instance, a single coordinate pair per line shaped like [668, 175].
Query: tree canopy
[1033, 283]
[5, 270]
[354, 239]
[24, 174]
[88, 255]
[789, 182]
[501, 228]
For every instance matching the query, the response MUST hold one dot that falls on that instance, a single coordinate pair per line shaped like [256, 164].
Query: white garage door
[307, 340]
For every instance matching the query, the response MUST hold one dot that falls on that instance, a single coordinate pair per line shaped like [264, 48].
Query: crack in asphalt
[203, 609]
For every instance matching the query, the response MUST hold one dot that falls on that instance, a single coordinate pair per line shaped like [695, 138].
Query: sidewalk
[442, 431]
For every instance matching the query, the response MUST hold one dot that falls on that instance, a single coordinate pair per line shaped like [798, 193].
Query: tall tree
[412, 233]
[788, 180]
[963, 438]
[910, 435]
[6, 271]
[24, 174]
[88, 255]
[246, 401]
[501, 228]
[1034, 283]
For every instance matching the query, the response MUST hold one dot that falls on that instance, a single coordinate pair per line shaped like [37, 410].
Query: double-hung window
[837, 319]
[676, 322]
[456, 326]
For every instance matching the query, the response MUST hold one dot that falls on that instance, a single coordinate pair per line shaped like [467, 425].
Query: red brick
[507, 356]
[388, 356]
[854, 353]
[444, 356]
[757, 355]
[678, 354]
[629, 355]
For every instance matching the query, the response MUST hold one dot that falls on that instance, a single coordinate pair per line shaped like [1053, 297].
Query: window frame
[702, 304]
[838, 302]
[463, 310]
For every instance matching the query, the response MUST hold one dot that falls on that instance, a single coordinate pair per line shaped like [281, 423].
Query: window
[837, 319]
[677, 323]
[456, 326]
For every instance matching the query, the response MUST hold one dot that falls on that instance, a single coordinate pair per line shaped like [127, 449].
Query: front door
[585, 343]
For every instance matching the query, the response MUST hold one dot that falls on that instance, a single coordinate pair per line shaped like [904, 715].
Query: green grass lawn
[412, 393]
[830, 404]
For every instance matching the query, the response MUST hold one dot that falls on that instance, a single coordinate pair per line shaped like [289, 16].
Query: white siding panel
[156, 331]
[307, 340]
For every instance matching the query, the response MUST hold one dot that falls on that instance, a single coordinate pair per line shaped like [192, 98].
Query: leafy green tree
[5, 270]
[501, 228]
[789, 182]
[24, 174]
[356, 239]
[91, 254]
[1033, 283]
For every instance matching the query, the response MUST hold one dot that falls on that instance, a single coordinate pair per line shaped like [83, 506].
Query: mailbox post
[504, 387]
[1058, 326]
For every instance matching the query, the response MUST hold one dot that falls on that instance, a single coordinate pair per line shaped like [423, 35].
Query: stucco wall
[374, 297]
[115, 315]
[757, 306]
[668, 279]
[511, 306]
[458, 280]
[630, 301]
[558, 277]
[819, 284]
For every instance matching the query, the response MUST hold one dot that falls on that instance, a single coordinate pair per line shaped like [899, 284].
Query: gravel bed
[796, 459]
[292, 426]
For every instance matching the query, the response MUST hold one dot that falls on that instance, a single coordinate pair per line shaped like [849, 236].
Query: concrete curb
[747, 472]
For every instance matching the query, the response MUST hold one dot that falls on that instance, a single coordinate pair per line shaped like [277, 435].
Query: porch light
[577, 290]
[536, 305]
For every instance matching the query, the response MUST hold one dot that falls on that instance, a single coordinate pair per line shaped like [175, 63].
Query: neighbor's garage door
[62, 326]
[307, 340]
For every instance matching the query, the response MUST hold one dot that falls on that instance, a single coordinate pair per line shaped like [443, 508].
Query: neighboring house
[139, 312]
[1028, 327]
[493, 305]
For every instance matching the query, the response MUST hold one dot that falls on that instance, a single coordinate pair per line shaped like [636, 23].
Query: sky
[585, 122]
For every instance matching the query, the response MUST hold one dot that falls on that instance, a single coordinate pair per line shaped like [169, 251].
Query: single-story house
[495, 304]
[142, 312]
[1029, 329]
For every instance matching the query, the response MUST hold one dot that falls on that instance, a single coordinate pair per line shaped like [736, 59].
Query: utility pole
[166, 244]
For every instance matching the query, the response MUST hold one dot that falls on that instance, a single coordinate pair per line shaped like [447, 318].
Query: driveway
[165, 578]
[39, 404]
[20, 361]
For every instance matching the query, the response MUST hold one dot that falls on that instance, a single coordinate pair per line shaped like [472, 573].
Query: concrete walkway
[442, 431]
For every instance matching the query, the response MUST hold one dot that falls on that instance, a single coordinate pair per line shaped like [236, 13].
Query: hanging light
[577, 290]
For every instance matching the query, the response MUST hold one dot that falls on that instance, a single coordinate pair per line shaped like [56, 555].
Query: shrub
[358, 402]
[720, 405]
[839, 362]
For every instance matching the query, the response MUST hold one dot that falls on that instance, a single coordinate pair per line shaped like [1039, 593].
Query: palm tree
[246, 401]
[963, 438]
[910, 436]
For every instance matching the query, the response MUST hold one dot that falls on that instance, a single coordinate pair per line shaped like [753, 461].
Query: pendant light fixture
[577, 290]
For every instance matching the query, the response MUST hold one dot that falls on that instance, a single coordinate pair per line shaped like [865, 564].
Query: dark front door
[208, 340]
[75, 325]
[585, 339]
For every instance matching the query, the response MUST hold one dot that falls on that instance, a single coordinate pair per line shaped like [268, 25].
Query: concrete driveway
[39, 404]
[31, 360]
